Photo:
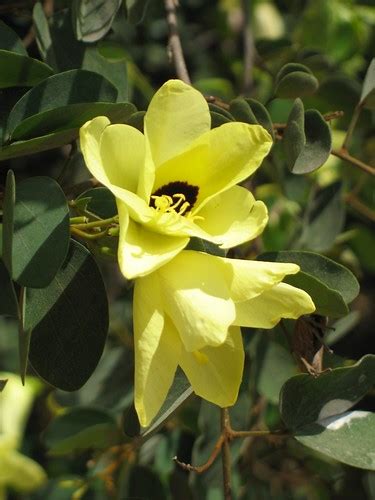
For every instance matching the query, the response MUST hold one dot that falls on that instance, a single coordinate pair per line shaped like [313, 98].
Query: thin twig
[248, 48]
[175, 46]
[344, 155]
[225, 454]
[327, 117]
[211, 459]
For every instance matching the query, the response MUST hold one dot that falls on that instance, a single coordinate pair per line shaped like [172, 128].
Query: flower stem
[97, 223]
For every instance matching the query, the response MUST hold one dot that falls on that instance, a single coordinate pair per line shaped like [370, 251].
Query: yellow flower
[178, 180]
[189, 313]
[17, 470]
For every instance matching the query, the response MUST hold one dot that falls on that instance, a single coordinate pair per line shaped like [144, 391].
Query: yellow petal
[105, 168]
[215, 373]
[157, 349]
[90, 134]
[176, 116]
[142, 251]
[122, 150]
[233, 217]
[197, 298]
[20, 472]
[217, 160]
[249, 278]
[266, 310]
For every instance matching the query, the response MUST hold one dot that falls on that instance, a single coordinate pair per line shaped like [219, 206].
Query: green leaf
[261, 114]
[241, 111]
[8, 220]
[3, 383]
[200, 245]
[100, 201]
[307, 139]
[10, 41]
[330, 285]
[41, 232]
[221, 111]
[8, 298]
[136, 10]
[368, 89]
[17, 70]
[115, 71]
[178, 394]
[305, 399]
[55, 95]
[325, 218]
[348, 438]
[92, 20]
[295, 80]
[69, 322]
[79, 429]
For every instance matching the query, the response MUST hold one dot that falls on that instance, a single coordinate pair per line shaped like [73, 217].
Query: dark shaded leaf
[325, 218]
[55, 94]
[8, 298]
[261, 114]
[368, 89]
[3, 383]
[136, 120]
[80, 429]
[17, 70]
[178, 394]
[41, 232]
[221, 111]
[9, 40]
[43, 35]
[69, 322]
[218, 119]
[8, 220]
[200, 245]
[307, 139]
[99, 201]
[92, 20]
[305, 399]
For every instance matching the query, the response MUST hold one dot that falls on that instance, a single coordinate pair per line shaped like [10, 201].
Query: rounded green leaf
[241, 111]
[295, 80]
[17, 70]
[218, 119]
[330, 285]
[307, 139]
[69, 322]
[136, 10]
[305, 399]
[348, 438]
[79, 429]
[41, 232]
[98, 201]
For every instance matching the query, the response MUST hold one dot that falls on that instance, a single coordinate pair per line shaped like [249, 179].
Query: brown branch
[174, 44]
[225, 454]
[279, 127]
[344, 155]
[211, 459]
[248, 48]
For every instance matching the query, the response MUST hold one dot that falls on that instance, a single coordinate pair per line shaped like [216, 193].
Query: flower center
[178, 197]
